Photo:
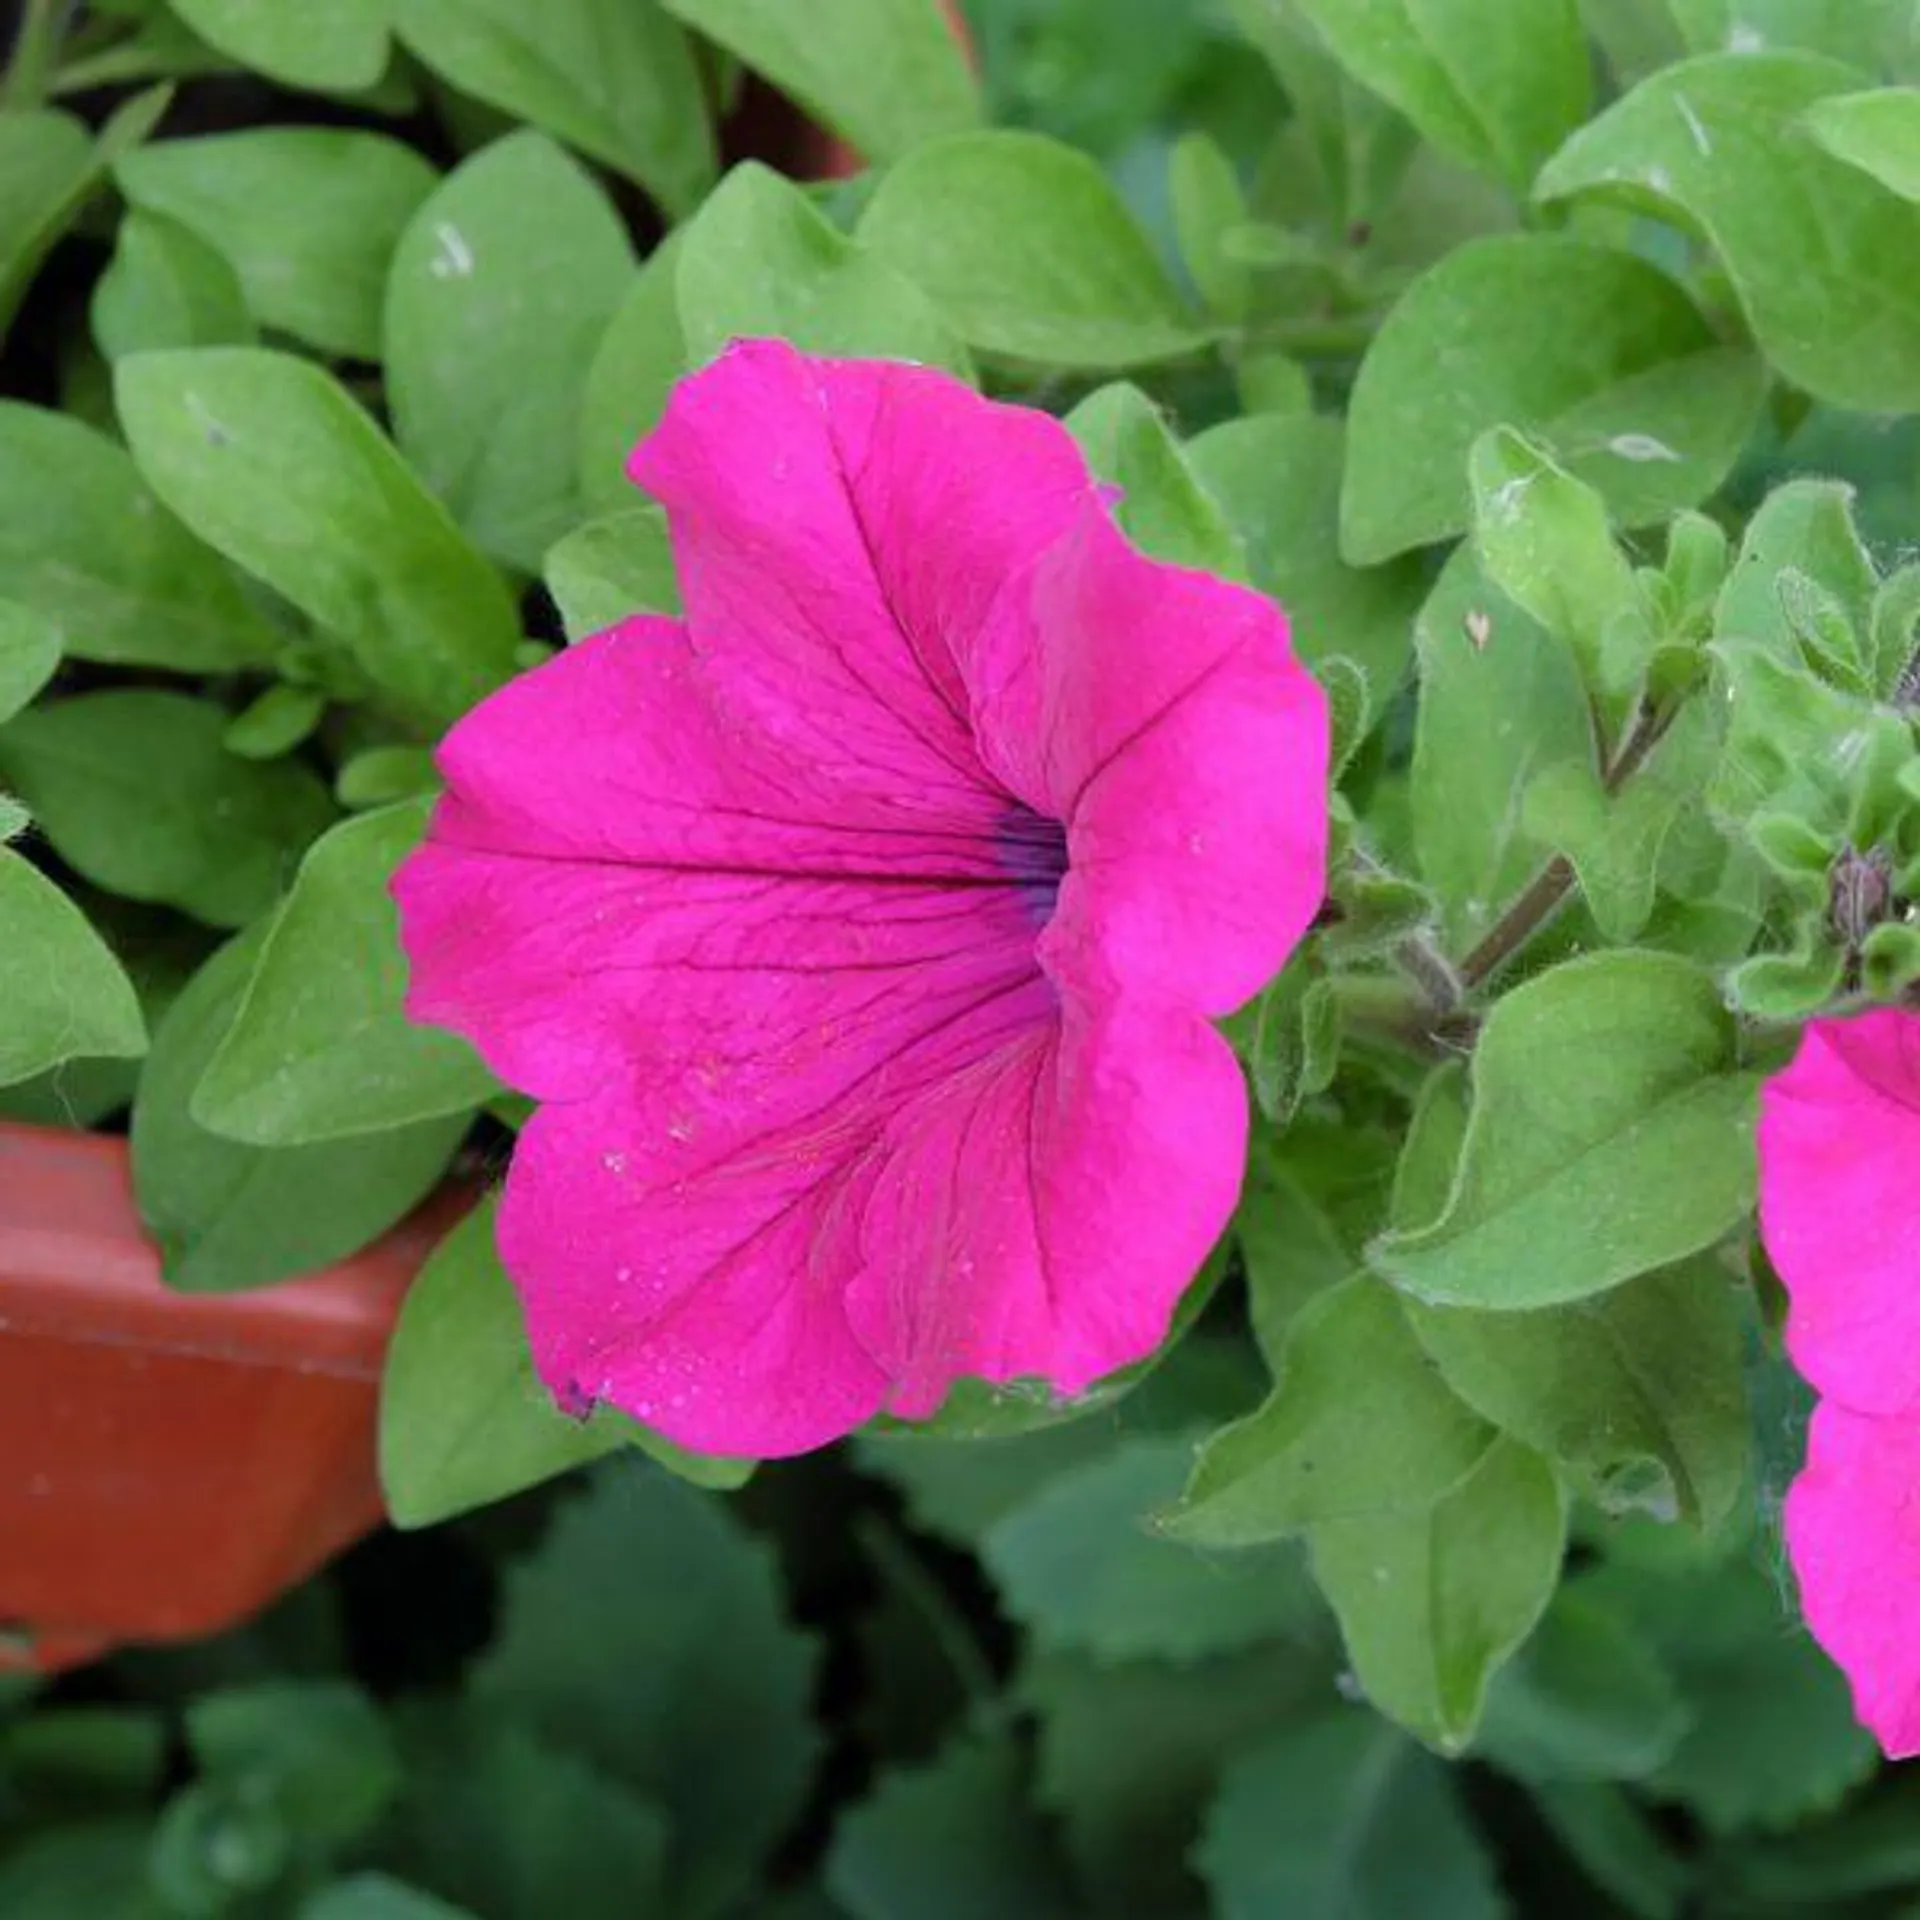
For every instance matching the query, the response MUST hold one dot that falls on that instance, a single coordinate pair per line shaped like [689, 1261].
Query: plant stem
[1421, 960]
[1552, 887]
[1550, 890]
[36, 49]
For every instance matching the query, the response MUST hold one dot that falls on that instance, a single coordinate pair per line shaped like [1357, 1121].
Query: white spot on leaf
[1695, 126]
[454, 259]
[1640, 447]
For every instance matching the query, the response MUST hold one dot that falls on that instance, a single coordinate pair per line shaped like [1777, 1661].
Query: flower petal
[1853, 1528]
[727, 1000]
[1034, 1213]
[1187, 751]
[1040, 1216]
[623, 749]
[842, 529]
[1883, 1048]
[710, 1309]
[1837, 1213]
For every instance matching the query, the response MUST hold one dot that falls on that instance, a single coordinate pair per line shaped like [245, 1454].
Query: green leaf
[1129, 1756]
[1078, 1566]
[65, 994]
[1343, 1818]
[958, 1490]
[1773, 1737]
[1636, 36]
[1615, 374]
[1432, 1602]
[166, 287]
[883, 74]
[226, 1215]
[29, 655]
[138, 793]
[159, 952]
[501, 287]
[1719, 142]
[643, 1577]
[612, 568]
[1620, 1847]
[1493, 86]
[321, 1047]
[1500, 704]
[376, 776]
[97, 1868]
[1360, 1423]
[1787, 986]
[1208, 206]
[46, 167]
[307, 217]
[1029, 252]
[216, 1845]
[1871, 1846]
[319, 1751]
[1278, 480]
[464, 1420]
[760, 259]
[1645, 1379]
[274, 722]
[1584, 1700]
[65, 1763]
[1784, 751]
[1430, 1151]
[48, 172]
[341, 47]
[374, 1896]
[1609, 1135]
[1163, 508]
[1805, 526]
[955, 1839]
[516, 1827]
[1357, 146]
[1269, 381]
[84, 542]
[615, 78]
[1291, 1250]
[1544, 541]
[269, 460]
[640, 356]
[1877, 131]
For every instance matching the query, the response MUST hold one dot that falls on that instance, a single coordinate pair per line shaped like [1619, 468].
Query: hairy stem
[1552, 887]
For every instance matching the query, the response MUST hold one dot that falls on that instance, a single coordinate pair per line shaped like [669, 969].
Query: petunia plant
[1161, 774]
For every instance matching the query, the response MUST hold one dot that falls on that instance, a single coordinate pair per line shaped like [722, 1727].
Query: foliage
[1557, 375]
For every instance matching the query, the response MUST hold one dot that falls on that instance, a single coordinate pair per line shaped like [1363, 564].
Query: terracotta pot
[170, 1462]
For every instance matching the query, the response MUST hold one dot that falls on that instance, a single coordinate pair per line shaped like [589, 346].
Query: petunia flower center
[1033, 851]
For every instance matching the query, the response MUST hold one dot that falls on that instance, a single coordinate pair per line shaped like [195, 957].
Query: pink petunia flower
[1853, 1531]
[1839, 1141]
[860, 935]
